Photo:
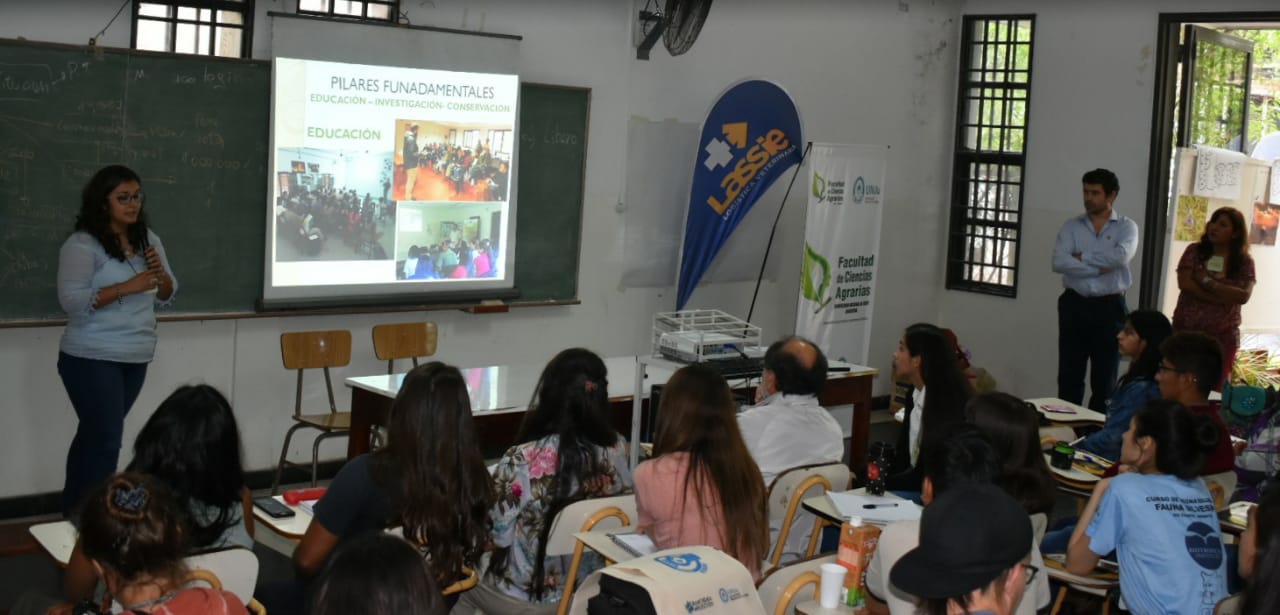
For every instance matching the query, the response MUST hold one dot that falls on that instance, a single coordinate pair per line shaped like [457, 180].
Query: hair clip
[130, 500]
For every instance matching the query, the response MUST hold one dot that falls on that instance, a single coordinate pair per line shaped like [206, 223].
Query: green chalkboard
[552, 162]
[196, 130]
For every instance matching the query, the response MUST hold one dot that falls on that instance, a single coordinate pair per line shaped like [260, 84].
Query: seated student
[429, 479]
[192, 445]
[925, 359]
[1157, 516]
[787, 428]
[966, 457]
[701, 487]
[1190, 368]
[376, 574]
[1260, 556]
[1013, 426]
[1143, 333]
[974, 546]
[134, 532]
[568, 452]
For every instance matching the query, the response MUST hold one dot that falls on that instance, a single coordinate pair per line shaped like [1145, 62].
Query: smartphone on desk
[273, 507]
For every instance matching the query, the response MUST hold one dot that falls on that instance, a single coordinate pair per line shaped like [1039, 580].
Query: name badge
[1216, 264]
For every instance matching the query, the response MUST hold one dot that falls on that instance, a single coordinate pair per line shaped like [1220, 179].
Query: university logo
[865, 192]
[683, 562]
[815, 278]
[1204, 546]
[819, 187]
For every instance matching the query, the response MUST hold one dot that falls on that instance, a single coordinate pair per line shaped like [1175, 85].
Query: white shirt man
[787, 427]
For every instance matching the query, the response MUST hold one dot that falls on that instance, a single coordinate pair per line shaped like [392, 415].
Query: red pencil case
[293, 496]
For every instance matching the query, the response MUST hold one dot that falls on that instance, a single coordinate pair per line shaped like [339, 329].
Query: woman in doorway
[1216, 277]
[112, 271]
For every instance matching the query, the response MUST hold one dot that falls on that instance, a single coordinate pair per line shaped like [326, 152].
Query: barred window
[202, 27]
[990, 155]
[372, 10]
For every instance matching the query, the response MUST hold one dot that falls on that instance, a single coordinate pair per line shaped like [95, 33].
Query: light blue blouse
[123, 330]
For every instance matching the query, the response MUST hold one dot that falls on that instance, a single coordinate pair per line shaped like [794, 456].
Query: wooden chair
[235, 569]
[786, 493]
[303, 350]
[617, 511]
[779, 588]
[1221, 486]
[1231, 605]
[463, 584]
[238, 566]
[409, 340]
[1097, 584]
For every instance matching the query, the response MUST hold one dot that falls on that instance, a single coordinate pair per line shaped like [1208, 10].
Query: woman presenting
[112, 271]
[1215, 277]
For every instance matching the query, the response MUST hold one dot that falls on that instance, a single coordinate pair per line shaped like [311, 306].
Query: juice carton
[858, 541]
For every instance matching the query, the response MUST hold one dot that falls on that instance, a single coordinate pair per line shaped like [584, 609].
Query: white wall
[861, 71]
[1091, 98]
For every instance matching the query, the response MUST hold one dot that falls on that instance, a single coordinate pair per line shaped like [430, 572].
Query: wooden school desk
[500, 395]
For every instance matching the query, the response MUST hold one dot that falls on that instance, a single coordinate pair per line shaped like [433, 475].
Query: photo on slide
[439, 161]
[333, 205]
[448, 241]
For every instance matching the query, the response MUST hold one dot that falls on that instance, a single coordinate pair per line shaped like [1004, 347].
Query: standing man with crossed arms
[1092, 253]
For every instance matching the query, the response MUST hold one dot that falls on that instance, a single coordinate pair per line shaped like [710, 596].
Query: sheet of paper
[1218, 173]
[883, 508]
[1274, 197]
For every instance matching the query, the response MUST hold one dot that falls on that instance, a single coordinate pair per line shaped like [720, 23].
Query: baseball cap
[968, 536]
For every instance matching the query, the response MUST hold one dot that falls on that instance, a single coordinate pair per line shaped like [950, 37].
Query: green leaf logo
[819, 187]
[815, 267]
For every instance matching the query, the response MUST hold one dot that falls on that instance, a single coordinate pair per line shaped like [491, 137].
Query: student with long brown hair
[702, 487]
[429, 479]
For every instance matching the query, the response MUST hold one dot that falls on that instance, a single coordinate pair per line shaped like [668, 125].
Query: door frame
[1155, 218]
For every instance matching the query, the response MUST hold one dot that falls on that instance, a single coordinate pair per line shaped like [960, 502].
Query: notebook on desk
[635, 543]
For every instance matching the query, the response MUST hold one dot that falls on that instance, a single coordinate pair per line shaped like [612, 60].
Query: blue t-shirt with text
[1167, 539]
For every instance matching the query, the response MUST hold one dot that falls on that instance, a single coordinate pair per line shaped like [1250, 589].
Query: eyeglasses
[1031, 572]
[124, 199]
[1167, 368]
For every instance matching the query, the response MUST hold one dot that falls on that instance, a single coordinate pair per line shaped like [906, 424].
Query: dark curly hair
[94, 218]
[133, 525]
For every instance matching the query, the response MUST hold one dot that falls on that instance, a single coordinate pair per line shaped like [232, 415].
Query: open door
[1216, 71]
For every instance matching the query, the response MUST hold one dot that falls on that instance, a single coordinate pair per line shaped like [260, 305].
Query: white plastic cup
[832, 581]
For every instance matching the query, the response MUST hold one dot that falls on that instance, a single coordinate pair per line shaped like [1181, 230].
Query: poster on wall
[1190, 217]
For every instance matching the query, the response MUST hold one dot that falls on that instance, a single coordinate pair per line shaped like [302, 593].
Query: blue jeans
[101, 393]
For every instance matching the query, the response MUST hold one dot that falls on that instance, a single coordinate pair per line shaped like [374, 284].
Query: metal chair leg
[284, 456]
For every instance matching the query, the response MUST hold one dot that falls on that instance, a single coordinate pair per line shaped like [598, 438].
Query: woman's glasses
[125, 199]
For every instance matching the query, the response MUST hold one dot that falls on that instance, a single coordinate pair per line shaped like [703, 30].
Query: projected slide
[389, 181]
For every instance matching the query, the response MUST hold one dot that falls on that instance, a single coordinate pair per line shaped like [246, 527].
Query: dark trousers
[101, 393]
[1087, 328]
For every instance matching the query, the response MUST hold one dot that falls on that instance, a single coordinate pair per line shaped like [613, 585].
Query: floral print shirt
[524, 480]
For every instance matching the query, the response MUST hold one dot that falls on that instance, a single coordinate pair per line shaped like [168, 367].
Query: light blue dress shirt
[123, 330]
[1110, 249]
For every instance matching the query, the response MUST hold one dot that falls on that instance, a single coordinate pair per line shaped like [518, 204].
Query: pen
[879, 505]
